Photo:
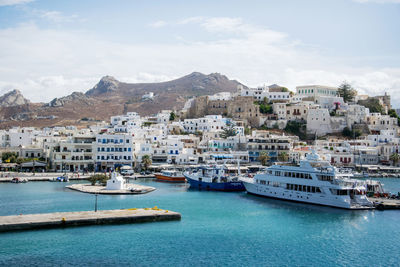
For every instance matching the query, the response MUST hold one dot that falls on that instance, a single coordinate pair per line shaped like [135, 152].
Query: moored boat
[170, 176]
[213, 177]
[313, 181]
[18, 180]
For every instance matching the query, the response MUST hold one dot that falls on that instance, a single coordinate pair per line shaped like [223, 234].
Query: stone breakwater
[98, 189]
[79, 218]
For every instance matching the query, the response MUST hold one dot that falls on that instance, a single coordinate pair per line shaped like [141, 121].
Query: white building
[272, 94]
[113, 150]
[74, 153]
[117, 182]
[330, 102]
[313, 91]
[209, 123]
[279, 110]
[318, 122]
[356, 114]
[148, 96]
[378, 122]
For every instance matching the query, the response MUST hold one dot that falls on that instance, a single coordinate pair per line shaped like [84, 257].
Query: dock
[131, 189]
[41, 178]
[385, 203]
[80, 218]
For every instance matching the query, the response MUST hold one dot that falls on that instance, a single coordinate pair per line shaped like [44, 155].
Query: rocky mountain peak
[13, 98]
[58, 102]
[105, 85]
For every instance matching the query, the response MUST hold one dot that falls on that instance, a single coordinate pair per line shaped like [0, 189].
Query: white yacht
[312, 181]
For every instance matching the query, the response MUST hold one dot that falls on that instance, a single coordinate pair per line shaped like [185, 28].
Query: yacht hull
[228, 186]
[302, 197]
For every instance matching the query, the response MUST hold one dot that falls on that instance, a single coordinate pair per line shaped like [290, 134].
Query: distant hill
[111, 97]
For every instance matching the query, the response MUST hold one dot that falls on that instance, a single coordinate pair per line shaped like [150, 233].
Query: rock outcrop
[107, 84]
[59, 102]
[13, 98]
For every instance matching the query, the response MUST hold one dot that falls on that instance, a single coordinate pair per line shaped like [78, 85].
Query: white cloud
[158, 24]
[190, 20]
[55, 16]
[45, 64]
[13, 2]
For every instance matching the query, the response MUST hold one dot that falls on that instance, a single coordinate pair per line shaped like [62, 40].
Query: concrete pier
[385, 203]
[98, 189]
[65, 219]
[40, 178]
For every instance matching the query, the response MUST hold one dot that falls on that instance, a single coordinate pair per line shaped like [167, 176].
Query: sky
[52, 48]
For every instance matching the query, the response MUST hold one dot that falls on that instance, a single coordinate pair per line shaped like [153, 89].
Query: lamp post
[95, 204]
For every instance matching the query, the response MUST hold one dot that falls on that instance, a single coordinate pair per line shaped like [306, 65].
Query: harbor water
[217, 229]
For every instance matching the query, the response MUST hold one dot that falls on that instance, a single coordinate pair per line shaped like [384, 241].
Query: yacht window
[295, 187]
[308, 188]
[318, 190]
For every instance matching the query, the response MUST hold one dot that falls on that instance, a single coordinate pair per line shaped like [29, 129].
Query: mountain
[194, 83]
[13, 98]
[111, 97]
[107, 84]
[75, 96]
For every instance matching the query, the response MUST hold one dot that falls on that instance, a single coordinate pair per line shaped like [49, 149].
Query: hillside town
[256, 126]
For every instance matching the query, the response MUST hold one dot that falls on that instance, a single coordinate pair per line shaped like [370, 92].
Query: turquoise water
[218, 229]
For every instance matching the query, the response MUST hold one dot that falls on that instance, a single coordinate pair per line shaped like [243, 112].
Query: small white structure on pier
[116, 182]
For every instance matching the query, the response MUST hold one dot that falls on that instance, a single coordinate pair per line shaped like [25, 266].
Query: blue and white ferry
[313, 181]
[213, 177]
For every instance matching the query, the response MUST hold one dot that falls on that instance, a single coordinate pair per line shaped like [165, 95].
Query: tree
[347, 92]
[146, 161]
[283, 156]
[296, 128]
[228, 132]
[372, 104]
[264, 158]
[9, 157]
[172, 116]
[266, 109]
[395, 158]
[98, 178]
[392, 113]
[351, 133]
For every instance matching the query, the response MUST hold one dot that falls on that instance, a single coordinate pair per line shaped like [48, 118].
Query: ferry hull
[168, 179]
[302, 197]
[228, 186]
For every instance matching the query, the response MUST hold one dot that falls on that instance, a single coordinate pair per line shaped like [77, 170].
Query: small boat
[63, 178]
[170, 176]
[213, 177]
[18, 180]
